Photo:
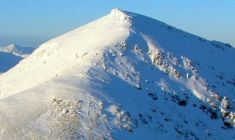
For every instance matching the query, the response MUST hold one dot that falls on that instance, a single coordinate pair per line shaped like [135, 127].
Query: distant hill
[10, 55]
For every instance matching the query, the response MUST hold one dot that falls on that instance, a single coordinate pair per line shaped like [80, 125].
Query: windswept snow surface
[123, 76]
[10, 55]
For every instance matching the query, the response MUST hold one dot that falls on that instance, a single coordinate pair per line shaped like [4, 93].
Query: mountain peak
[117, 11]
[10, 47]
[147, 77]
[122, 15]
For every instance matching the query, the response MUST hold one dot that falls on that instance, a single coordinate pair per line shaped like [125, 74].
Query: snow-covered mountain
[17, 50]
[10, 55]
[123, 76]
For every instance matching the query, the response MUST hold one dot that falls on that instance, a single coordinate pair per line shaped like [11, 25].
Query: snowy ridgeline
[123, 76]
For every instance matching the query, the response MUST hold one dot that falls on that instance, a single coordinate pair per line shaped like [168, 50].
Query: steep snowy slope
[10, 55]
[123, 76]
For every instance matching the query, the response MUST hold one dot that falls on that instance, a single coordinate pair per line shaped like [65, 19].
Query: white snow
[123, 76]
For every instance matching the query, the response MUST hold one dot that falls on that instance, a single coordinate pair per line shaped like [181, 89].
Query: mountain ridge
[122, 76]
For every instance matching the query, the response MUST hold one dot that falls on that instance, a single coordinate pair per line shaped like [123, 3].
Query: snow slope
[123, 76]
[10, 55]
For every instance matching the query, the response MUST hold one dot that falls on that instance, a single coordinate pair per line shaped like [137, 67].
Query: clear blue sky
[31, 22]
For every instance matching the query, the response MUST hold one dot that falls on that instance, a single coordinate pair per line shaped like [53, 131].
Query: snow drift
[123, 76]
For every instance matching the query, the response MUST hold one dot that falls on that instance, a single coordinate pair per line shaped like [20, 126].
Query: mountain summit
[123, 76]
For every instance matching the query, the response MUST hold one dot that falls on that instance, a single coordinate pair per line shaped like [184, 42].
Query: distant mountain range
[10, 55]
